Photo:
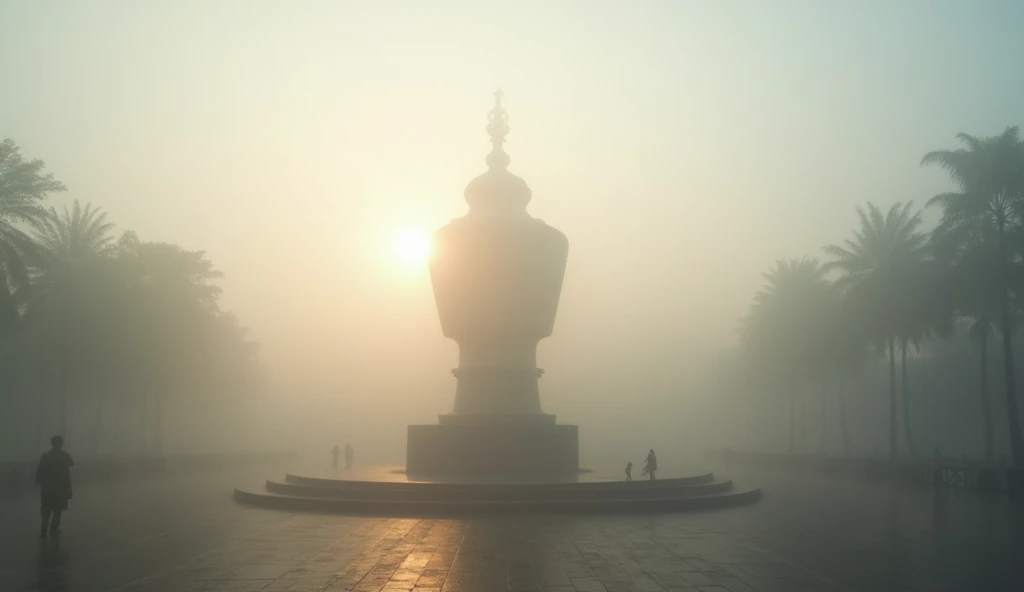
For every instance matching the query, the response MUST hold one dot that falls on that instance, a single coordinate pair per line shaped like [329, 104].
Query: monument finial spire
[497, 129]
[497, 192]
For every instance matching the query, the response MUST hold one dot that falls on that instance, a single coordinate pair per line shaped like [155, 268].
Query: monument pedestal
[528, 445]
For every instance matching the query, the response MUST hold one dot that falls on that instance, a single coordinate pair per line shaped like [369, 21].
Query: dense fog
[213, 220]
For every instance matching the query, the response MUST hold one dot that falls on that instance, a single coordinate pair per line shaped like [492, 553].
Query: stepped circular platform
[396, 497]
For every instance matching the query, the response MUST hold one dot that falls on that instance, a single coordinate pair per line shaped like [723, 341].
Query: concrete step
[419, 507]
[703, 478]
[487, 493]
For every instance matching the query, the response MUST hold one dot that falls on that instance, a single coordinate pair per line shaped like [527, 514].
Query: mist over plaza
[781, 244]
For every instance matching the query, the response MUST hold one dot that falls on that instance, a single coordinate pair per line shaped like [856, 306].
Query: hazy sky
[681, 146]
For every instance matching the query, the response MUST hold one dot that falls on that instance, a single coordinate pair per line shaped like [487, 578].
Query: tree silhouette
[23, 184]
[850, 360]
[898, 290]
[174, 309]
[972, 285]
[927, 313]
[785, 329]
[987, 211]
[72, 270]
[879, 270]
[85, 319]
[844, 353]
[74, 236]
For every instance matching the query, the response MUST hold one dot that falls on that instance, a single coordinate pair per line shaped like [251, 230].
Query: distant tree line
[93, 324]
[898, 289]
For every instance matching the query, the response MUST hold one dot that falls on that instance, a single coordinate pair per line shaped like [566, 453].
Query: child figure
[629, 471]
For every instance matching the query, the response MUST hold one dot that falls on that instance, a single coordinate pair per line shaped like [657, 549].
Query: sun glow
[412, 246]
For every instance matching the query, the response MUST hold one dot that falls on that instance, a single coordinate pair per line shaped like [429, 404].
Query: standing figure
[349, 453]
[334, 457]
[53, 476]
[629, 471]
[651, 464]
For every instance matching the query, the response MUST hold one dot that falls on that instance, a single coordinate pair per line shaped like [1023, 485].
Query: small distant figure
[629, 471]
[349, 453]
[334, 457]
[651, 465]
[53, 476]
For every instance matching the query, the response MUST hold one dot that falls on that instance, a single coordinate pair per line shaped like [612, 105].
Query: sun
[412, 246]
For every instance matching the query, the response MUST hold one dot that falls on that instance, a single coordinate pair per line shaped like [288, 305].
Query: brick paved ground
[186, 534]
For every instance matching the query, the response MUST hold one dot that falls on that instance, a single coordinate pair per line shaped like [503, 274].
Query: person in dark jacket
[651, 464]
[53, 476]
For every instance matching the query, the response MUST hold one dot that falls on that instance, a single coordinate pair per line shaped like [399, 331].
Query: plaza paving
[180, 534]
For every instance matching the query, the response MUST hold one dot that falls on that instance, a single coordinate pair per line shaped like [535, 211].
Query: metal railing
[941, 474]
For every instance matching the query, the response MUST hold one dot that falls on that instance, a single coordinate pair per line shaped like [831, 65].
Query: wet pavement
[396, 474]
[183, 534]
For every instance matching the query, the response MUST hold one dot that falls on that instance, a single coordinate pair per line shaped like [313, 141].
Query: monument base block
[513, 448]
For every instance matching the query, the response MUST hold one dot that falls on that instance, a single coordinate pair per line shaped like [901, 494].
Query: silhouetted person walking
[629, 471]
[651, 464]
[334, 457]
[53, 476]
[349, 453]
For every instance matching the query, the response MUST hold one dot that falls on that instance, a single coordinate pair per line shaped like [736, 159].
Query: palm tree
[850, 356]
[844, 355]
[927, 313]
[988, 209]
[73, 246]
[23, 184]
[73, 237]
[980, 330]
[971, 281]
[877, 267]
[783, 330]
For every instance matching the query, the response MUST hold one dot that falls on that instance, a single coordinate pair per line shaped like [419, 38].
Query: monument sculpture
[497, 277]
